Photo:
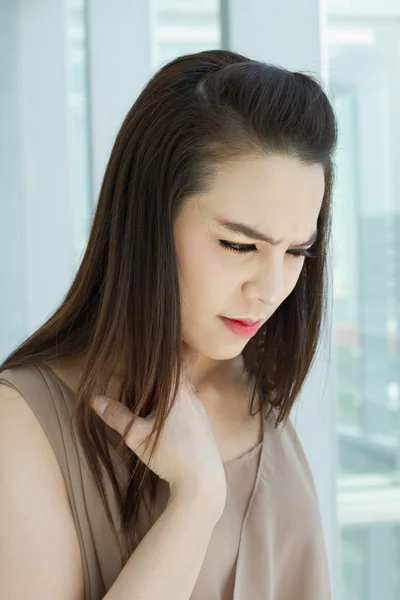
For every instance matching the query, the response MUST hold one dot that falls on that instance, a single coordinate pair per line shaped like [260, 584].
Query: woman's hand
[187, 457]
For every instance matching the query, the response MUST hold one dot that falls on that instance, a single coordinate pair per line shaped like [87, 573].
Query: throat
[236, 431]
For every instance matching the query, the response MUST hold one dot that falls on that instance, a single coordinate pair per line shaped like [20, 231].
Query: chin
[223, 352]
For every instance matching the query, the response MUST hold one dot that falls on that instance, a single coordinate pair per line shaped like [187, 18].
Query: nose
[268, 284]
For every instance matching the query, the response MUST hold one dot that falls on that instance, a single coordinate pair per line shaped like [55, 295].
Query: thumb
[119, 417]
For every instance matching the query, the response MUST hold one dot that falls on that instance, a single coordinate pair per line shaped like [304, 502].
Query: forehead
[270, 191]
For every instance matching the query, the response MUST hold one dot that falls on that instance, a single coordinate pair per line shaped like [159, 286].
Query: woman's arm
[39, 550]
[167, 561]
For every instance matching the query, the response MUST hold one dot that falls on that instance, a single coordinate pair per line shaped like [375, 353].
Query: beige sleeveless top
[268, 543]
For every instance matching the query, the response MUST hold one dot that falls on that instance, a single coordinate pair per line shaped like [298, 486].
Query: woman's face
[279, 197]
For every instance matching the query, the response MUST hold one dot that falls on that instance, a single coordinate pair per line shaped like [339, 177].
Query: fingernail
[101, 404]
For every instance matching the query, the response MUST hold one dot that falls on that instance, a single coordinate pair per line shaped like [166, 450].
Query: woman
[195, 314]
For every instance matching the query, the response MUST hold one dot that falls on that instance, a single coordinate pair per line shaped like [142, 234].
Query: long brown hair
[195, 114]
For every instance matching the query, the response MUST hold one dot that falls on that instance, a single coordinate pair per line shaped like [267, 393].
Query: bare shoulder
[39, 549]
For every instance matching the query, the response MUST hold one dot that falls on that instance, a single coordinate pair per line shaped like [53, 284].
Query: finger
[119, 417]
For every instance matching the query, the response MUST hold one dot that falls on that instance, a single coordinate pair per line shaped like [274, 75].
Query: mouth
[247, 321]
[245, 328]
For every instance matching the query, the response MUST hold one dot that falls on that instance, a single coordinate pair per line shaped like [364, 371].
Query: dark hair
[195, 114]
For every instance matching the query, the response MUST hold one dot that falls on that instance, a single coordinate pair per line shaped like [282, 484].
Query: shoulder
[36, 519]
[49, 403]
[20, 427]
[22, 437]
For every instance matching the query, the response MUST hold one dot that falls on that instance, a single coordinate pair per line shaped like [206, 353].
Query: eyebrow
[255, 234]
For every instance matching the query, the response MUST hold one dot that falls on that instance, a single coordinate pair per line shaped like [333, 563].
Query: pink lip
[246, 321]
[240, 327]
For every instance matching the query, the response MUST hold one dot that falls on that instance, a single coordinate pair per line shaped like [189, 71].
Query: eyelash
[246, 248]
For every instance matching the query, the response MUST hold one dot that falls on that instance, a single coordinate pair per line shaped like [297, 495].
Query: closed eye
[246, 248]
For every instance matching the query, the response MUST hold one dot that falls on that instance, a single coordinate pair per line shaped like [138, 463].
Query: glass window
[78, 121]
[183, 27]
[363, 40]
[45, 193]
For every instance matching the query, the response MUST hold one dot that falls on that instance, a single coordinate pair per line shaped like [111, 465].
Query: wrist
[200, 498]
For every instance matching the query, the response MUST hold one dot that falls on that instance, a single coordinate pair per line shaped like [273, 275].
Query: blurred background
[69, 72]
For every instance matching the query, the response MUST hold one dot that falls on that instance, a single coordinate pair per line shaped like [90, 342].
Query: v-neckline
[114, 437]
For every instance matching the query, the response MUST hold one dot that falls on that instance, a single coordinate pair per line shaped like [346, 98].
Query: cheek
[293, 273]
[204, 280]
